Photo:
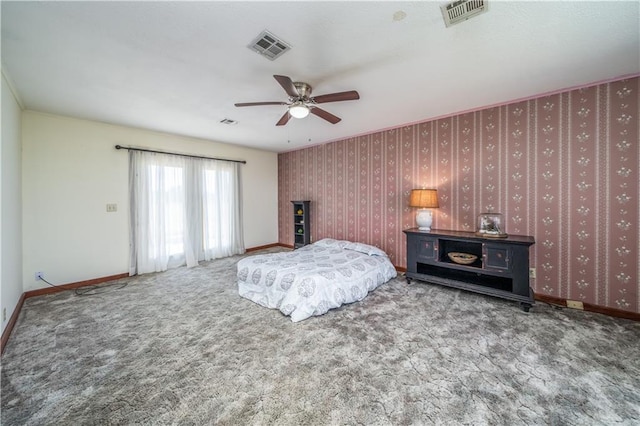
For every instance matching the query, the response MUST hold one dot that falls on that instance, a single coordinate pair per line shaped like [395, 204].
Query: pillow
[365, 248]
[330, 242]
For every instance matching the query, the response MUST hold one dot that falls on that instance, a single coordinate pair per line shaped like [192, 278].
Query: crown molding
[12, 87]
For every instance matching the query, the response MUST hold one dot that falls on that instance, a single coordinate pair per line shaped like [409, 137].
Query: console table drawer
[496, 257]
[426, 248]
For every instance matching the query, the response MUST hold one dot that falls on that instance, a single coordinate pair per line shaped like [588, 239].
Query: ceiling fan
[301, 103]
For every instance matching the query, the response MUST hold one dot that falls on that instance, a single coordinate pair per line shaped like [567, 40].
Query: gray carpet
[181, 347]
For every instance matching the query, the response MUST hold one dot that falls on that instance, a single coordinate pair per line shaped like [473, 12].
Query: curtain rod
[133, 148]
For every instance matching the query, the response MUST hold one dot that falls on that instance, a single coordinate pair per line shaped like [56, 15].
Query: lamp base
[424, 219]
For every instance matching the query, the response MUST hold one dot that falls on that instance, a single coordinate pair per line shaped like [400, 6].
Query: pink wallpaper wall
[562, 168]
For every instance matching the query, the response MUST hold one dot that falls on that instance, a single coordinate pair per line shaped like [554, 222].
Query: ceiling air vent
[228, 121]
[458, 11]
[269, 45]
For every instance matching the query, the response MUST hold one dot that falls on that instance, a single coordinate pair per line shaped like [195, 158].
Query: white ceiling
[179, 67]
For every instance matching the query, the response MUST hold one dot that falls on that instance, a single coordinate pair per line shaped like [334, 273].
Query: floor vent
[269, 46]
[458, 11]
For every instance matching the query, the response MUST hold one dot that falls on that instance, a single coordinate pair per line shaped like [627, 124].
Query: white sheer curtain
[183, 210]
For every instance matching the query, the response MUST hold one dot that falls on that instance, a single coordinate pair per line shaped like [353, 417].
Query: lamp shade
[299, 110]
[424, 198]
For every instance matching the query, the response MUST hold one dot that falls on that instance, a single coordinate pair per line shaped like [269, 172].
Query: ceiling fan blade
[326, 115]
[351, 95]
[284, 119]
[245, 104]
[287, 85]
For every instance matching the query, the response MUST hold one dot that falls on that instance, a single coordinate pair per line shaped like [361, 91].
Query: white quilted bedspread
[315, 278]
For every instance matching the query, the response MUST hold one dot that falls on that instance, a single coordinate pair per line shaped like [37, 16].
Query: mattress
[315, 278]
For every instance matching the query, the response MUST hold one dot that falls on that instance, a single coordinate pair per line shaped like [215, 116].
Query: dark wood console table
[501, 268]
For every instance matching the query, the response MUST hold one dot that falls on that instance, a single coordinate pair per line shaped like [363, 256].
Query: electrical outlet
[575, 304]
[532, 272]
[39, 275]
[112, 208]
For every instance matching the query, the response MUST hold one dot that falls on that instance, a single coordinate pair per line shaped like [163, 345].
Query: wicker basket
[462, 258]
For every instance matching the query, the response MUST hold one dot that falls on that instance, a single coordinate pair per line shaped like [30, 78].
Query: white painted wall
[71, 170]
[11, 206]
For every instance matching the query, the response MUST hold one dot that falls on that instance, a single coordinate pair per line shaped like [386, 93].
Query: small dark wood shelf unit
[301, 225]
[501, 269]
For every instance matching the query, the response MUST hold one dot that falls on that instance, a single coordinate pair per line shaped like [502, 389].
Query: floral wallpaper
[562, 168]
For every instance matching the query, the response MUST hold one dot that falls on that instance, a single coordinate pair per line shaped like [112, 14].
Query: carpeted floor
[181, 347]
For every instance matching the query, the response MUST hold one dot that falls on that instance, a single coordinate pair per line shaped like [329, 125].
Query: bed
[315, 278]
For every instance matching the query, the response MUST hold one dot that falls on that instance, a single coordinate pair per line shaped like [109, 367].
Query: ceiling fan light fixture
[299, 110]
[300, 102]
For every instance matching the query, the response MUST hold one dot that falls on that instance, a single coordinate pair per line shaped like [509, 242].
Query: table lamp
[424, 199]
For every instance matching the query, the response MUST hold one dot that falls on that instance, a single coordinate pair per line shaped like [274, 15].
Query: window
[183, 210]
